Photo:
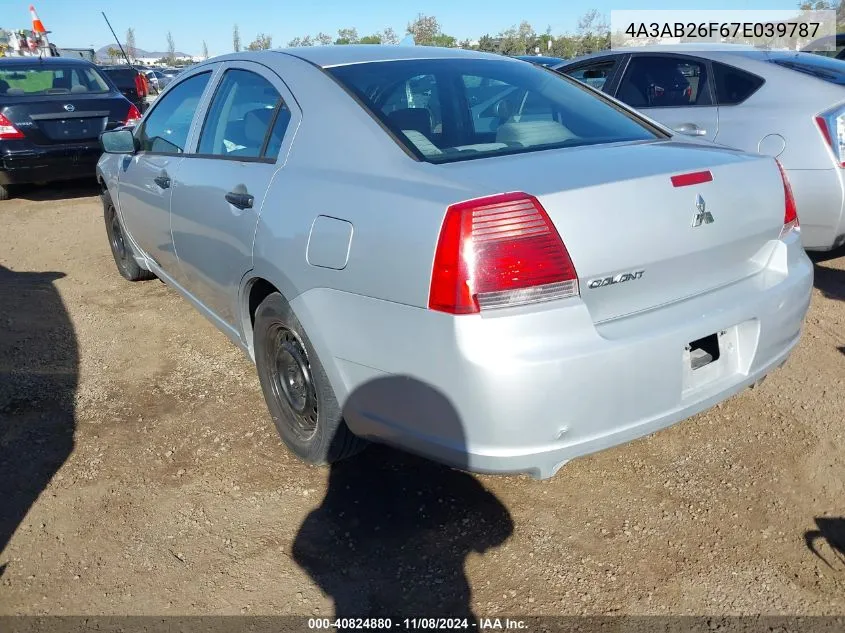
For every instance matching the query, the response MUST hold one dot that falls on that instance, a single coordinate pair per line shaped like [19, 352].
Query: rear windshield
[22, 80]
[443, 110]
[122, 76]
[819, 66]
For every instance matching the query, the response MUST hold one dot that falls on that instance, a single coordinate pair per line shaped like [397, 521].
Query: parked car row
[471, 257]
[784, 104]
[52, 112]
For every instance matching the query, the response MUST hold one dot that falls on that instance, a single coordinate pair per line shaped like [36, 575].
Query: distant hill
[139, 52]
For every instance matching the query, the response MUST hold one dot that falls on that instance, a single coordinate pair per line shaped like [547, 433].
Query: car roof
[327, 56]
[699, 49]
[539, 59]
[47, 61]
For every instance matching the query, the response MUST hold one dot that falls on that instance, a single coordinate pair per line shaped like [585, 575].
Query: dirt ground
[140, 474]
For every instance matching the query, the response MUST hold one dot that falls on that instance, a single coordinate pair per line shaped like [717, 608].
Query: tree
[347, 36]
[297, 41]
[236, 39]
[324, 38]
[424, 29]
[487, 44]
[388, 36]
[370, 39]
[171, 47]
[113, 52]
[261, 43]
[446, 41]
[819, 5]
[130, 43]
[518, 40]
[307, 41]
[593, 32]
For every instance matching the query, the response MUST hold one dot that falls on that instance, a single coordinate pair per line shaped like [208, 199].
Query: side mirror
[118, 142]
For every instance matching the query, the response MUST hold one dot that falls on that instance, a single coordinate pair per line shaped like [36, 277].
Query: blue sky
[78, 23]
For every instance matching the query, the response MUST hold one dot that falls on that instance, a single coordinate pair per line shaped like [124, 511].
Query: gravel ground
[140, 474]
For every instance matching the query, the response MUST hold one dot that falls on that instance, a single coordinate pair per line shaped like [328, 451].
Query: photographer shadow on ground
[831, 530]
[830, 280]
[39, 369]
[392, 535]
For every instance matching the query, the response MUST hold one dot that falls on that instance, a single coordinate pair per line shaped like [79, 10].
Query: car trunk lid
[637, 239]
[48, 121]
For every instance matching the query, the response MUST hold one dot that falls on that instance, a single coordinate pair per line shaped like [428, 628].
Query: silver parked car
[780, 103]
[500, 287]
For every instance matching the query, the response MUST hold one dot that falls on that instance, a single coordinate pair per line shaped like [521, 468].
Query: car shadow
[831, 281]
[831, 530]
[39, 368]
[393, 532]
[64, 190]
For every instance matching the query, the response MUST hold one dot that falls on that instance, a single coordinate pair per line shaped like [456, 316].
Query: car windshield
[36, 79]
[820, 66]
[444, 110]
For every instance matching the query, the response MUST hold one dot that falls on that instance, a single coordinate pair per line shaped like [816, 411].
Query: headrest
[256, 123]
[418, 119]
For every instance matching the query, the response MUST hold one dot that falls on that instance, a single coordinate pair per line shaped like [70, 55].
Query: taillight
[140, 86]
[133, 116]
[497, 252]
[832, 127]
[7, 130]
[790, 212]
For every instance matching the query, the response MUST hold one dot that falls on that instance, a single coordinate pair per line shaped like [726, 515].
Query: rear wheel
[4, 192]
[121, 250]
[299, 396]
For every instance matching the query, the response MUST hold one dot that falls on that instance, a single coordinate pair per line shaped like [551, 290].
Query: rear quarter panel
[785, 105]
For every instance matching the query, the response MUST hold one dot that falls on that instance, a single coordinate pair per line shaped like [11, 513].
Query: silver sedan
[459, 254]
[779, 103]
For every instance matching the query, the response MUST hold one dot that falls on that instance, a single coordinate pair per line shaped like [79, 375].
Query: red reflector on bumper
[694, 178]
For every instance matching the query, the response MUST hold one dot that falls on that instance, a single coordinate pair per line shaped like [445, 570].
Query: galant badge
[621, 278]
[702, 215]
[70, 107]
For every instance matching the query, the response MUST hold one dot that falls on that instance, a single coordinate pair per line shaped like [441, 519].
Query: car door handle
[691, 129]
[162, 181]
[240, 199]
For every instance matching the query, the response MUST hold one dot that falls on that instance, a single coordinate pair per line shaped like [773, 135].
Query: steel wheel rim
[117, 242]
[291, 381]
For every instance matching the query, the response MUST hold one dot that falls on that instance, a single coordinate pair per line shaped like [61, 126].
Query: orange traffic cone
[37, 24]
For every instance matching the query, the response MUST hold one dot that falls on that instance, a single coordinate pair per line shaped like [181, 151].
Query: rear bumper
[47, 164]
[820, 199]
[530, 390]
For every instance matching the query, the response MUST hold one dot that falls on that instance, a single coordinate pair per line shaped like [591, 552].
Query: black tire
[4, 192]
[121, 250]
[304, 407]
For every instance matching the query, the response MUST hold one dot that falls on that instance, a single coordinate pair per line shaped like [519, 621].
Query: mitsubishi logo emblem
[702, 215]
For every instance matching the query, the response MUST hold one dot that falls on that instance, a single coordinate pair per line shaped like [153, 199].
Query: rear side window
[824, 68]
[166, 128]
[444, 110]
[23, 80]
[243, 113]
[664, 82]
[595, 75]
[734, 85]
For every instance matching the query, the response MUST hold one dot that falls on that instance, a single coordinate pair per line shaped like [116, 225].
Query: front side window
[166, 129]
[246, 116]
[595, 75]
[664, 82]
[24, 80]
[443, 110]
